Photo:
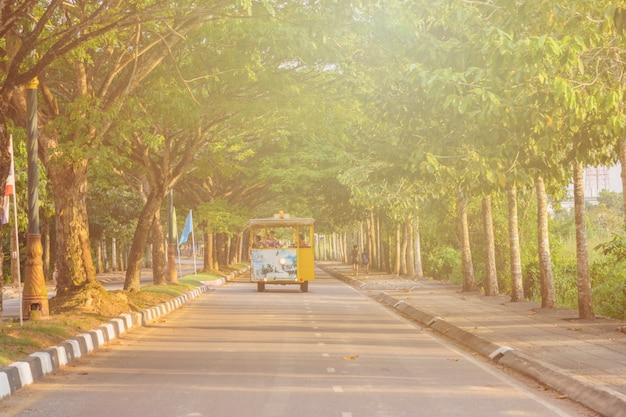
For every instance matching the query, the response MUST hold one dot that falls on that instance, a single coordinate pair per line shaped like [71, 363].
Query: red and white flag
[9, 189]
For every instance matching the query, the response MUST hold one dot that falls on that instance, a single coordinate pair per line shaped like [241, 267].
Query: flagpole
[193, 246]
[16, 254]
[185, 235]
[180, 267]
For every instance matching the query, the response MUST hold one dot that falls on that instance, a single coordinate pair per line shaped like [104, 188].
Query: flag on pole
[9, 189]
[186, 230]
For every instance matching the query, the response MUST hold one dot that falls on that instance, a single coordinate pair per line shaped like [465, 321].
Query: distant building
[596, 179]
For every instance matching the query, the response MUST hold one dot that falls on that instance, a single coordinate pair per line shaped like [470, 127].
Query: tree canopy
[337, 110]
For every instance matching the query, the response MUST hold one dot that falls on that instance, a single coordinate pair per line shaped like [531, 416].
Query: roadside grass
[64, 323]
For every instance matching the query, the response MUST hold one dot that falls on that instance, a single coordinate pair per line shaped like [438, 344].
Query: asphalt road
[331, 352]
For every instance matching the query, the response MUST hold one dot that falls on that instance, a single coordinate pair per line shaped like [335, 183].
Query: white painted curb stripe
[99, 337]
[5, 388]
[62, 354]
[46, 361]
[110, 330]
[75, 347]
[26, 375]
[128, 319]
[120, 325]
[88, 341]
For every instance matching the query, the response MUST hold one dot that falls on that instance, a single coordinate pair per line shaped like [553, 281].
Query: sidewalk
[583, 359]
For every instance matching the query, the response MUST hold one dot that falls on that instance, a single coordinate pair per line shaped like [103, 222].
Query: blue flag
[186, 230]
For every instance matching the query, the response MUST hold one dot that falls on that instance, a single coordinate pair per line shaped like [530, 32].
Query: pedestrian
[55, 276]
[365, 260]
[354, 256]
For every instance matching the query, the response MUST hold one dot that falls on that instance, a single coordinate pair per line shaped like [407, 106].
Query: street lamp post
[35, 295]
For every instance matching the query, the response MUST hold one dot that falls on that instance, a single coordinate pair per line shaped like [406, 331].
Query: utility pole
[35, 296]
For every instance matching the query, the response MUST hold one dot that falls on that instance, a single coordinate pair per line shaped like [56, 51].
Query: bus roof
[284, 222]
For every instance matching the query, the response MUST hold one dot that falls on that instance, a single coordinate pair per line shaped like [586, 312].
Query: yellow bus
[281, 251]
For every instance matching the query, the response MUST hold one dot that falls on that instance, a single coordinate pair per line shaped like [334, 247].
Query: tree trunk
[419, 270]
[491, 275]
[122, 257]
[140, 239]
[379, 246]
[221, 249]
[114, 266]
[99, 267]
[235, 246]
[517, 286]
[622, 159]
[69, 185]
[208, 251]
[240, 247]
[389, 251]
[585, 304]
[404, 270]
[371, 245]
[548, 293]
[469, 281]
[105, 255]
[410, 252]
[398, 246]
[159, 260]
[1, 264]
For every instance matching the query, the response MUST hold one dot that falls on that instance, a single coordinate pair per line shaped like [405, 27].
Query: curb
[602, 400]
[34, 367]
[235, 273]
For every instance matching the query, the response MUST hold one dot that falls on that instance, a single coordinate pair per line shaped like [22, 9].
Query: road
[331, 352]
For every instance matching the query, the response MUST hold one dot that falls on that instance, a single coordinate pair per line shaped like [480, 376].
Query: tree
[106, 70]
[517, 288]
[491, 277]
[548, 295]
[32, 40]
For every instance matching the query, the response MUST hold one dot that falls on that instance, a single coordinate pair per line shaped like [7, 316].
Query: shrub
[444, 262]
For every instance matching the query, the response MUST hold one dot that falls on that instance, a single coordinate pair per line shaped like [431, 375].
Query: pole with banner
[9, 190]
[185, 235]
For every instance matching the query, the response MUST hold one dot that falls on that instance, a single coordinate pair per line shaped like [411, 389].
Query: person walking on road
[354, 256]
[365, 260]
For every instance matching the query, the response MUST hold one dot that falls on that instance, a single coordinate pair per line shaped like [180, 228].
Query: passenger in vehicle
[271, 241]
[301, 242]
[258, 243]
